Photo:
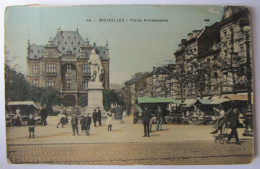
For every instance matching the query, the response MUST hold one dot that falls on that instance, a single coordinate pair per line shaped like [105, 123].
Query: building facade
[63, 65]
[213, 61]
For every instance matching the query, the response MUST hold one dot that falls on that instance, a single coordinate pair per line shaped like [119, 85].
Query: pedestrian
[232, 118]
[74, 124]
[99, 117]
[31, 126]
[159, 119]
[44, 115]
[146, 120]
[18, 118]
[83, 124]
[220, 120]
[88, 123]
[61, 119]
[95, 116]
[109, 121]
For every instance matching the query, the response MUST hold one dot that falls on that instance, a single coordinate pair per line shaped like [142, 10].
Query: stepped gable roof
[68, 42]
[35, 51]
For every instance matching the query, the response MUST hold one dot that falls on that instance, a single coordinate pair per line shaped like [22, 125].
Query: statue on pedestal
[96, 67]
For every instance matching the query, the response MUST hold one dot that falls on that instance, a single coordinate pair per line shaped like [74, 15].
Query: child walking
[31, 126]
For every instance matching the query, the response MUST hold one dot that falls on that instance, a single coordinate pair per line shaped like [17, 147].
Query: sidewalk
[123, 132]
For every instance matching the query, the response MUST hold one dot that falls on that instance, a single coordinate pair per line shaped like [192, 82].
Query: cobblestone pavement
[173, 153]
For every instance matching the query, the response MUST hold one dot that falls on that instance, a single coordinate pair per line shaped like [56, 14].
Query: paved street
[175, 145]
[178, 153]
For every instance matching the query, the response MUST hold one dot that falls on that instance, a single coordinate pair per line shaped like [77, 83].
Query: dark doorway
[69, 100]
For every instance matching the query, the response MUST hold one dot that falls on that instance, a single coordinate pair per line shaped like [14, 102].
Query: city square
[117, 88]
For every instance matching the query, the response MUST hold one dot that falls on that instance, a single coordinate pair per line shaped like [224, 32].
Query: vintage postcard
[128, 85]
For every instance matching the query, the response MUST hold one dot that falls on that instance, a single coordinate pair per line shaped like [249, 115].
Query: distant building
[157, 83]
[63, 65]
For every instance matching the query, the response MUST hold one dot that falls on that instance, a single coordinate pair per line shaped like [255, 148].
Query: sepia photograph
[129, 85]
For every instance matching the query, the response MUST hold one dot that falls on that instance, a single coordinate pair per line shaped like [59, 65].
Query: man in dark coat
[88, 123]
[232, 116]
[146, 120]
[83, 123]
[74, 124]
[95, 116]
[99, 117]
[44, 115]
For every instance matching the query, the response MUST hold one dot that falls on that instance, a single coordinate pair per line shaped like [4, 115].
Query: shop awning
[218, 100]
[236, 97]
[22, 103]
[142, 100]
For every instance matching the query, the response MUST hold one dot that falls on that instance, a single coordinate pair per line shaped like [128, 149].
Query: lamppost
[249, 113]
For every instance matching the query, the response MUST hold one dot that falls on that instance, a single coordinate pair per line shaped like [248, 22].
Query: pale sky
[134, 46]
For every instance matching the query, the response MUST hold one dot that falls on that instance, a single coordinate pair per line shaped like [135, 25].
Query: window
[34, 69]
[86, 68]
[68, 68]
[50, 68]
[85, 84]
[68, 83]
[35, 82]
[50, 83]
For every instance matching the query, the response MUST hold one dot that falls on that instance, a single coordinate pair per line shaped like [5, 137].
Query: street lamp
[249, 113]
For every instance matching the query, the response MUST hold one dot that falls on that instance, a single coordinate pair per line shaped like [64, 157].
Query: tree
[111, 97]
[18, 89]
[16, 86]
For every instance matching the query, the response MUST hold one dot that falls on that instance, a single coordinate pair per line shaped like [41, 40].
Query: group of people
[97, 117]
[85, 121]
[148, 120]
[228, 119]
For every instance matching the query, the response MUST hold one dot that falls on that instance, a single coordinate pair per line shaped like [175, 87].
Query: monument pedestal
[95, 99]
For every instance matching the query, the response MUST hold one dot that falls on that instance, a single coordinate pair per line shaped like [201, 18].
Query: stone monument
[95, 88]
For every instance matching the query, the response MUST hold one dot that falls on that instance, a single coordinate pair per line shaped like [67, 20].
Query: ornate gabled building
[63, 65]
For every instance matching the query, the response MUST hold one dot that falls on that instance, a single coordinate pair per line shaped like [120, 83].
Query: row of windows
[69, 84]
[51, 83]
[51, 68]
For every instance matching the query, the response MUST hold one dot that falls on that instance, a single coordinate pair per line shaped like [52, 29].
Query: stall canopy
[22, 103]
[189, 102]
[235, 97]
[143, 100]
[204, 101]
[139, 109]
